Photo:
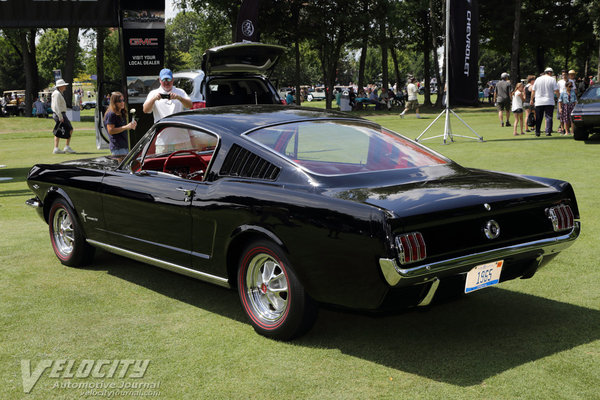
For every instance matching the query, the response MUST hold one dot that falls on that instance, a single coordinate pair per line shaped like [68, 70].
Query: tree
[329, 34]
[514, 58]
[221, 9]
[12, 75]
[52, 53]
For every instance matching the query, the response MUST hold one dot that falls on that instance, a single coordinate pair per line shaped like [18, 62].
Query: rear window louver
[243, 163]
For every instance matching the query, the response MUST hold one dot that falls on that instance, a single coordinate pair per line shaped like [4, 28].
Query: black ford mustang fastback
[296, 206]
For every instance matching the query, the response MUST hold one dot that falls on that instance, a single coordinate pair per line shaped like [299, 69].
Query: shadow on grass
[593, 139]
[18, 175]
[462, 343]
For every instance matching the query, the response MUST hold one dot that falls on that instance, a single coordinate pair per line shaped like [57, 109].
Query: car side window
[176, 150]
[184, 83]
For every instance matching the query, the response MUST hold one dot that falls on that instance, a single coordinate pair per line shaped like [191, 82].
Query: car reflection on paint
[296, 207]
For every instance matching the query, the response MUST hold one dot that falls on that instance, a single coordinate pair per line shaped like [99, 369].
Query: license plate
[483, 276]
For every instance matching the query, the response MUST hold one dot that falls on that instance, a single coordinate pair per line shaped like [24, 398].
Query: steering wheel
[182, 151]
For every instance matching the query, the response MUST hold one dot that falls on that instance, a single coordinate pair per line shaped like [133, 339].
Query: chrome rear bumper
[423, 273]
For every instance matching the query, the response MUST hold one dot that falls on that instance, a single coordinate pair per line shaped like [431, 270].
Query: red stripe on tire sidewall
[242, 284]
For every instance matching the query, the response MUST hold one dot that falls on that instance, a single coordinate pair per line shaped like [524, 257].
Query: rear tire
[272, 296]
[66, 236]
[580, 133]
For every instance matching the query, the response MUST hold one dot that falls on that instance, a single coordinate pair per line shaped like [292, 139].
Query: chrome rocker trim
[393, 274]
[203, 276]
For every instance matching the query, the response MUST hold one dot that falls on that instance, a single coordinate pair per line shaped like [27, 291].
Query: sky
[169, 11]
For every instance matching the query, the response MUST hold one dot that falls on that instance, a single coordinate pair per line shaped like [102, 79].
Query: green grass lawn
[524, 339]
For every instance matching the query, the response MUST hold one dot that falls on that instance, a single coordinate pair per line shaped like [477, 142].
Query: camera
[165, 95]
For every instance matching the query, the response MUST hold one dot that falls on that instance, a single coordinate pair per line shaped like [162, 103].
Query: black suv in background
[233, 74]
[236, 73]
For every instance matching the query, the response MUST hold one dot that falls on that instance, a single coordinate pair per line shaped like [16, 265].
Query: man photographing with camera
[167, 99]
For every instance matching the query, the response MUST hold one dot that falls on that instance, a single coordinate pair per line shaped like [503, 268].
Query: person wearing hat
[62, 127]
[573, 80]
[502, 98]
[167, 99]
[542, 96]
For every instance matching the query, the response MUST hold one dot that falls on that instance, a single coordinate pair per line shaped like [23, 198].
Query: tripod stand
[447, 129]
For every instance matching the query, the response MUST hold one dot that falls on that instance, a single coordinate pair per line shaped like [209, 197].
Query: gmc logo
[143, 42]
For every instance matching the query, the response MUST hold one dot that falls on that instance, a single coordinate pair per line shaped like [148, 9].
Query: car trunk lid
[249, 58]
[452, 212]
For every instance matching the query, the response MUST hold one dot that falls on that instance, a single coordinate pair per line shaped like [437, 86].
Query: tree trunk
[514, 56]
[539, 59]
[434, 41]
[598, 69]
[426, 60]
[361, 64]
[27, 39]
[100, 36]
[363, 51]
[69, 74]
[396, 68]
[384, 55]
[297, 70]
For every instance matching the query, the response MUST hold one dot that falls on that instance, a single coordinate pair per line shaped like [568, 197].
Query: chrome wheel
[267, 288]
[63, 232]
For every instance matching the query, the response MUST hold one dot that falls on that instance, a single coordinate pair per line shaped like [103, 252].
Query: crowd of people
[534, 101]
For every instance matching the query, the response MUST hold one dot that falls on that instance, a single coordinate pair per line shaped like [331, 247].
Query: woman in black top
[115, 121]
[526, 103]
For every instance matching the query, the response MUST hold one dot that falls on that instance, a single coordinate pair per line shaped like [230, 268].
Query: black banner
[464, 53]
[143, 43]
[58, 14]
[247, 22]
[143, 51]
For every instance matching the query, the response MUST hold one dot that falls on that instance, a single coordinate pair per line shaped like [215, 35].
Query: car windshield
[341, 147]
[592, 94]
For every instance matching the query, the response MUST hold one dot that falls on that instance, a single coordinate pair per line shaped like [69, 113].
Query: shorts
[119, 152]
[527, 105]
[412, 104]
[518, 111]
[503, 105]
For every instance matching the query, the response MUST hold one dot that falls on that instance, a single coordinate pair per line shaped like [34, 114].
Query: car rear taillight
[577, 117]
[198, 104]
[561, 216]
[411, 247]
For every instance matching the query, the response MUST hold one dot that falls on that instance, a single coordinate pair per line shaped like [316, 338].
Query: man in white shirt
[413, 101]
[542, 95]
[62, 126]
[167, 99]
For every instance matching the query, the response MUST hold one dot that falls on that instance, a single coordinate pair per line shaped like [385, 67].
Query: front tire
[272, 296]
[66, 236]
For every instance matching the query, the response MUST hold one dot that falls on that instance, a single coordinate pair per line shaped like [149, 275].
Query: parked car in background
[316, 94]
[15, 104]
[233, 74]
[86, 105]
[586, 114]
[295, 206]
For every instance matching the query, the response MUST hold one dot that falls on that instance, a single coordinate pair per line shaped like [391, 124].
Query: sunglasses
[167, 80]
[119, 101]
